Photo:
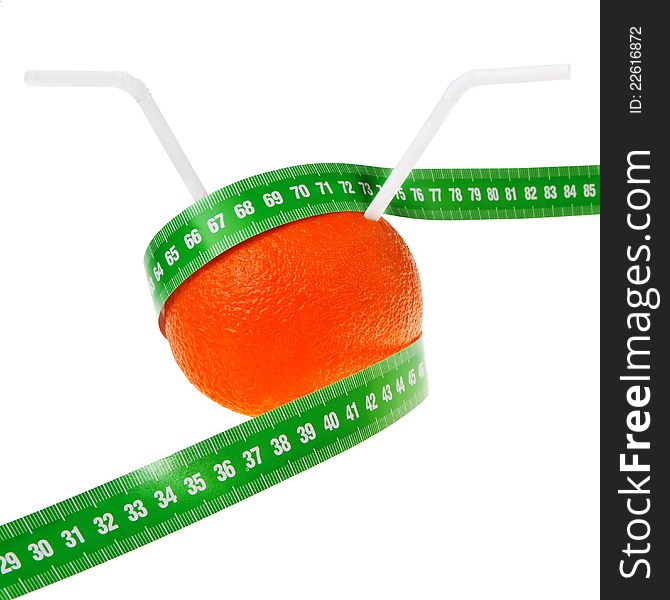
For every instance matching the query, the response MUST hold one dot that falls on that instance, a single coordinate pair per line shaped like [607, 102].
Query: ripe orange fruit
[294, 309]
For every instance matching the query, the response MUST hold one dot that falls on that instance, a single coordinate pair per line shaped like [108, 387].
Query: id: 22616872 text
[635, 69]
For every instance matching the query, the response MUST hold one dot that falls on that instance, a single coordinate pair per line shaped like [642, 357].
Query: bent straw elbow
[136, 88]
[451, 96]
[117, 79]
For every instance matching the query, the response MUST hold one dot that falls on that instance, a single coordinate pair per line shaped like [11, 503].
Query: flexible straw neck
[133, 86]
[117, 79]
[451, 96]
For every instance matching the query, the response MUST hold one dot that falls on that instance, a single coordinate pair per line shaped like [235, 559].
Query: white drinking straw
[456, 89]
[137, 90]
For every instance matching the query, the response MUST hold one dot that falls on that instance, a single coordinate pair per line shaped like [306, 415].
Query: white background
[487, 490]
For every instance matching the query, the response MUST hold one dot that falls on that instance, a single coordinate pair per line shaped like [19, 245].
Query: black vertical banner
[635, 358]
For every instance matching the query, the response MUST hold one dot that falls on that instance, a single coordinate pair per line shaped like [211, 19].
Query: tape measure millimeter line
[149, 503]
[246, 208]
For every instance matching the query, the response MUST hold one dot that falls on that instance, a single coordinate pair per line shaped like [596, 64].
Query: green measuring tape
[147, 504]
[153, 501]
[239, 211]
